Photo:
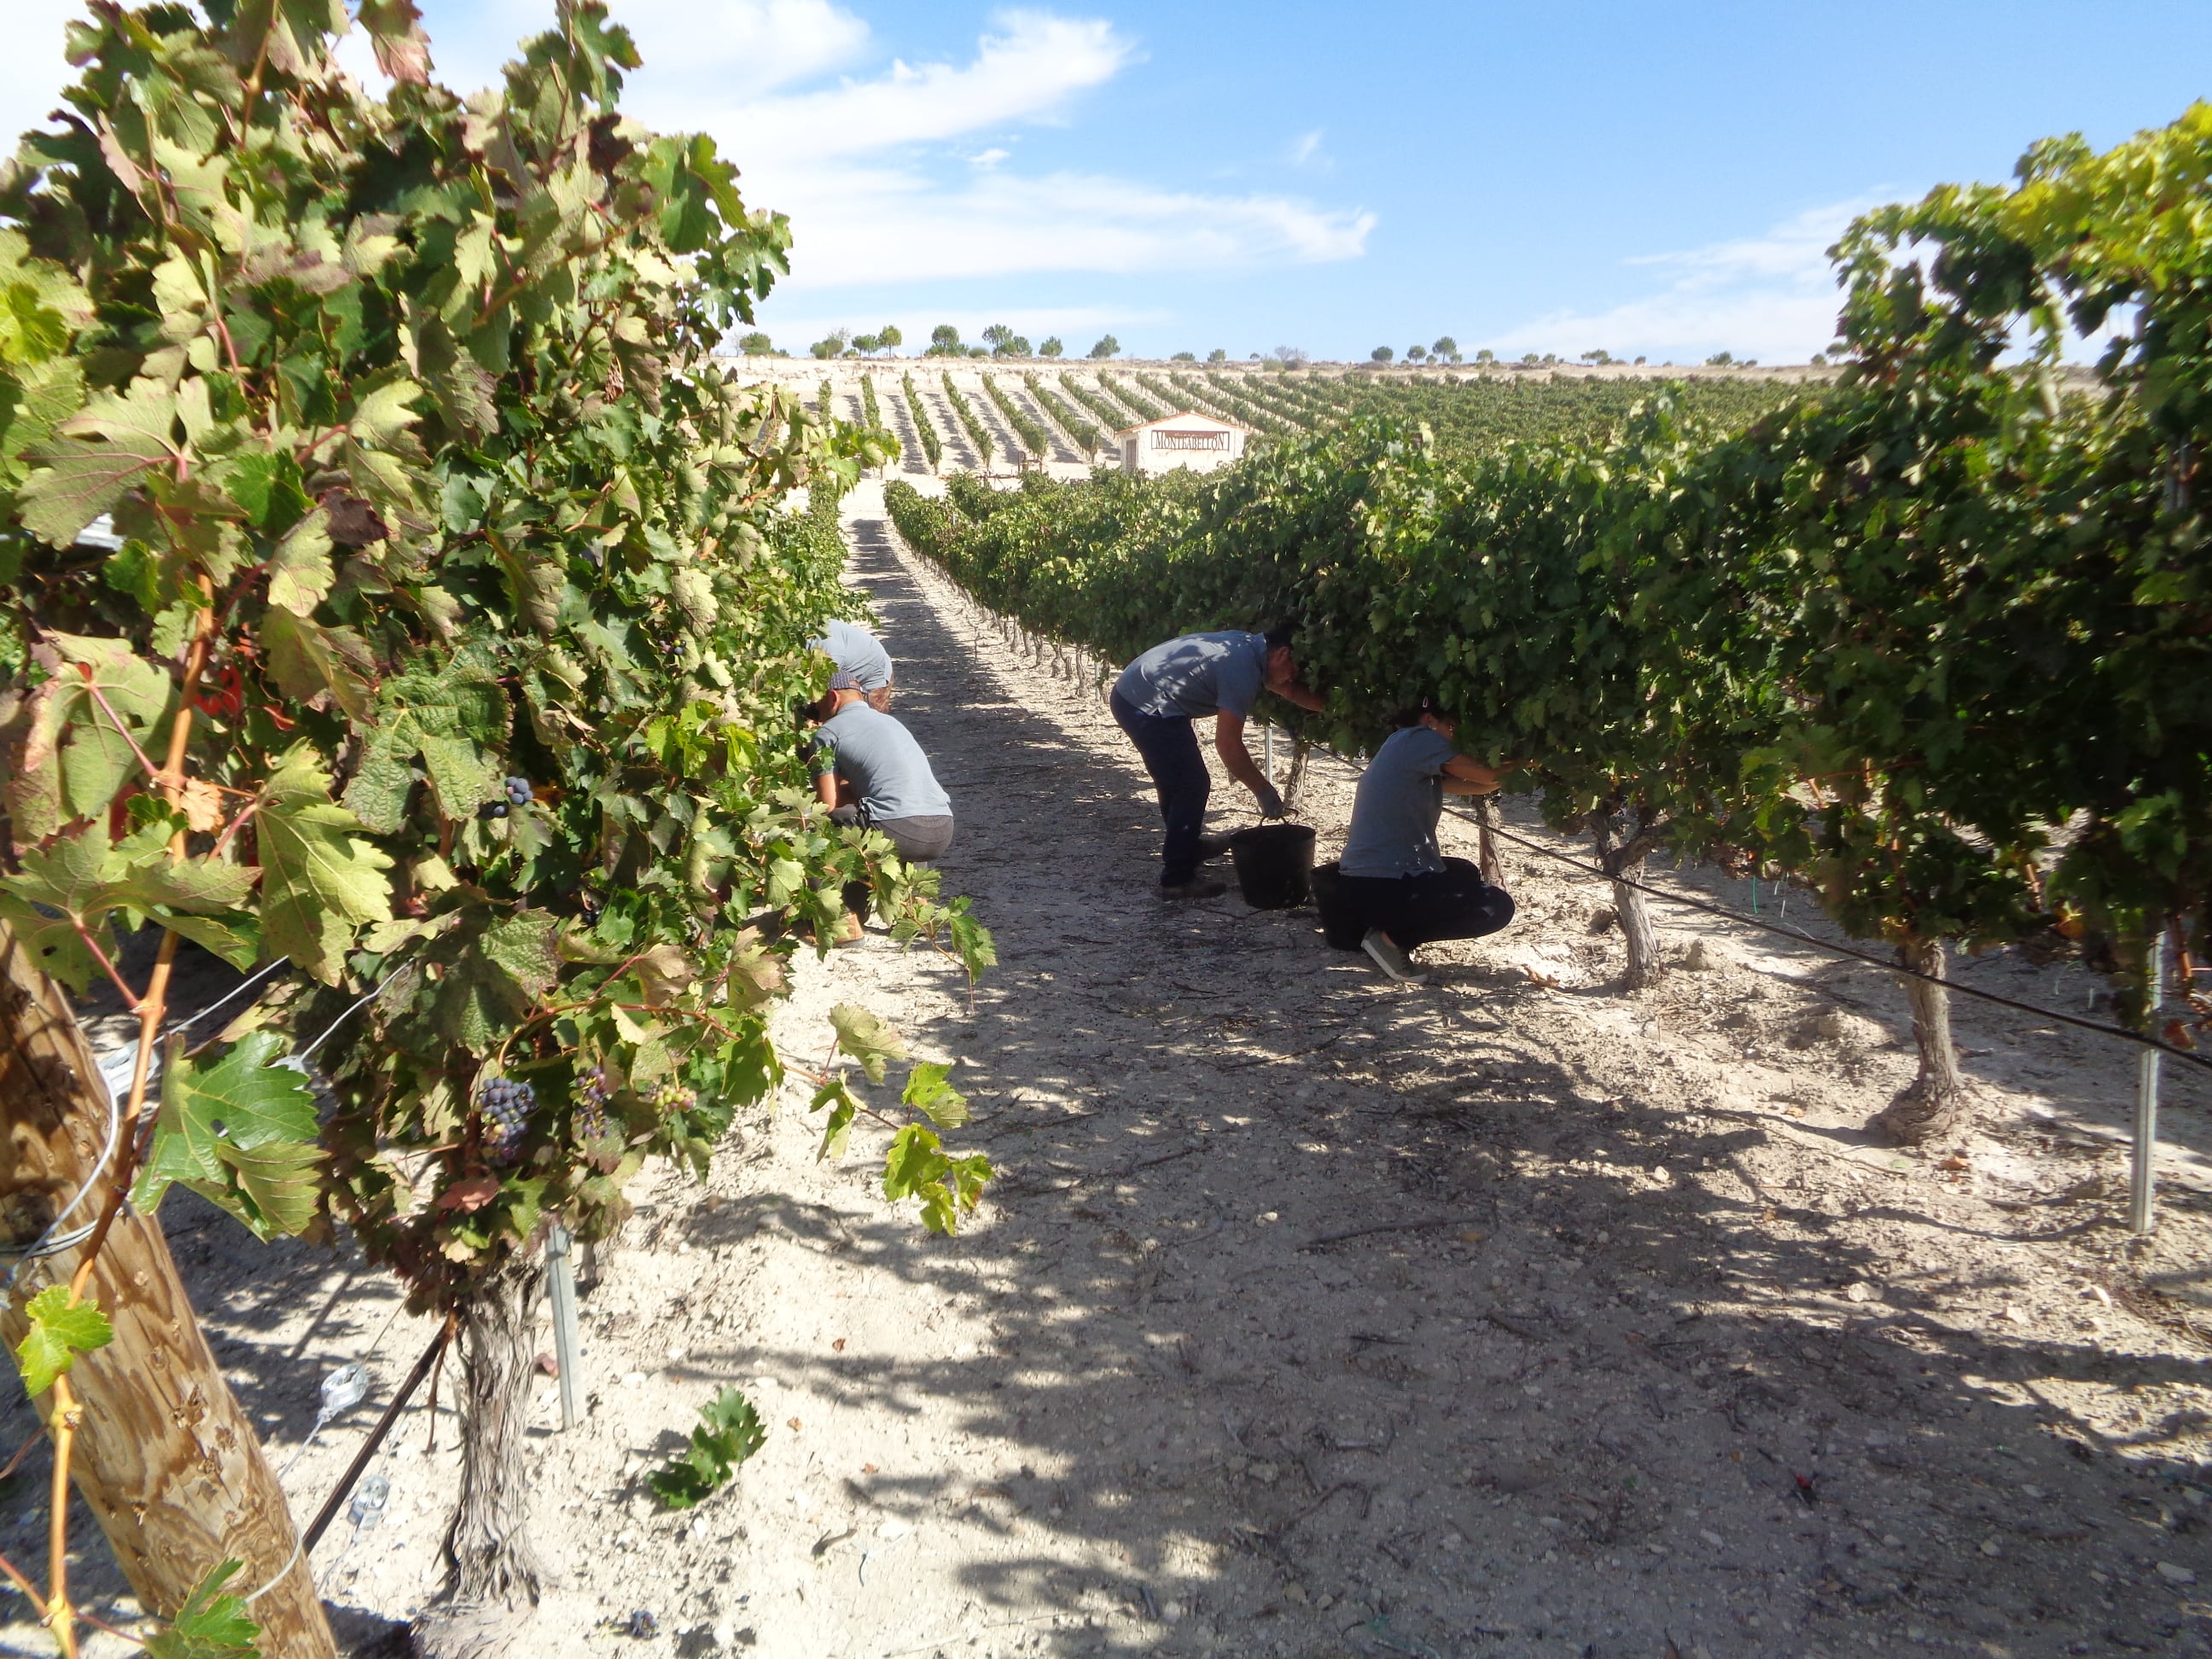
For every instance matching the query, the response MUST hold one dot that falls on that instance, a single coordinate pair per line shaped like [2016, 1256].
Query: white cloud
[1026, 73]
[856, 167]
[891, 224]
[1772, 297]
[738, 49]
[1306, 148]
[904, 173]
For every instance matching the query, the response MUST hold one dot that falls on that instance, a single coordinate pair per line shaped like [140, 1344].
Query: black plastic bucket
[1274, 864]
[1341, 924]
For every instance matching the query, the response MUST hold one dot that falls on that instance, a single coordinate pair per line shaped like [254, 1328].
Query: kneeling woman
[869, 770]
[1406, 892]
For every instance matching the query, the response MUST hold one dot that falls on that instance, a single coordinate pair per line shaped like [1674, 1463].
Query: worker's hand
[1270, 799]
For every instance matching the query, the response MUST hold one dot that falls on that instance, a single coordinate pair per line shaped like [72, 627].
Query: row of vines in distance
[1886, 638]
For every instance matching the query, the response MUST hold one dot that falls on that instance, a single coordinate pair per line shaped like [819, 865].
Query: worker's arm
[825, 789]
[1294, 691]
[1228, 743]
[1463, 776]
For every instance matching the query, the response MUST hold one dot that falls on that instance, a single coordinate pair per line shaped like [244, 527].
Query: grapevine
[1025, 425]
[966, 414]
[1144, 409]
[932, 446]
[454, 586]
[1112, 415]
[1087, 437]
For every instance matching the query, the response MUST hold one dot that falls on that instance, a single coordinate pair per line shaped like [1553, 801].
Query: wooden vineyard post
[164, 1458]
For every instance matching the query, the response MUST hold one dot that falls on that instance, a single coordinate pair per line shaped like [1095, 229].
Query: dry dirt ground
[1315, 1315]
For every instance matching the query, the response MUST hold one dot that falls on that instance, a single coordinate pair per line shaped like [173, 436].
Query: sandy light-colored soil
[1312, 1315]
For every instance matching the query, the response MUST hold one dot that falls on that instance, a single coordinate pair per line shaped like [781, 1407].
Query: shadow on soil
[1389, 1331]
[1345, 1438]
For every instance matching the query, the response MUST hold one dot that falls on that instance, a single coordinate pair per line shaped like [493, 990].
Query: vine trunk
[1486, 855]
[1621, 851]
[494, 1578]
[1936, 1102]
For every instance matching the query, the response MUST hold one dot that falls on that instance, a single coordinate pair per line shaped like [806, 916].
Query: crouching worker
[1406, 893]
[1156, 700]
[869, 771]
[860, 654]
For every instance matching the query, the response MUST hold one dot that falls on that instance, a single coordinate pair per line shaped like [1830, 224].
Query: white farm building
[1185, 439]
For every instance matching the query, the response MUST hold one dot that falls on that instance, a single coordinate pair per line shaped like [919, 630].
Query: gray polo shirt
[1393, 815]
[1197, 674]
[886, 766]
[858, 652]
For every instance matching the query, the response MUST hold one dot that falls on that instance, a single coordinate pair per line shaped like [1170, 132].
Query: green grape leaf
[383, 414]
[237, 940]
[275, 1188]
[242, 1134]
[837, 1128]
[978, 950]
[77, 757]
[868, 1039]
[395, 34]
[78, 881]
[310, 660]
[917, 1167]
[61, 1329]
[730, 1431]
[77, 478]
[211, 1625]
[452, 713]
[927, 1091]
[300, 572]
[319, 882]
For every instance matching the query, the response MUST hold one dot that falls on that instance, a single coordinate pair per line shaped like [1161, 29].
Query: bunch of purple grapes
[507, 1105]
[592, 1100]
[517, 791]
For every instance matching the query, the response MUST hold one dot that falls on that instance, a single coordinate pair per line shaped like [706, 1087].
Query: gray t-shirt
[889, 773]
[858, 652]
[1197, 674]
[1393, 815]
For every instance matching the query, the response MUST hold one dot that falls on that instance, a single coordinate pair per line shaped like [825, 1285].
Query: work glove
[1271, 800]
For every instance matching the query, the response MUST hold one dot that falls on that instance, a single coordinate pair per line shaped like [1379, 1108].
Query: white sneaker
[1390, 959]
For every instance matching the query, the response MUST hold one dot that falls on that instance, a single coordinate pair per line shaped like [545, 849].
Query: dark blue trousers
[1170, 748]
[1453, 903]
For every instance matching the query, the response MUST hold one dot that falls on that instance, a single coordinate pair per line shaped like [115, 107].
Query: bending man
[1156, 700]
[1406, 892]
[860, 654]
[869, 770]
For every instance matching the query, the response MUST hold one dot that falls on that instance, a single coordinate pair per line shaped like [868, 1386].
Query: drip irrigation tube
[2142, 1038]
[324, 1516]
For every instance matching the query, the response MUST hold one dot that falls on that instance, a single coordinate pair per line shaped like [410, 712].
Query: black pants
[919, 841]
[1453, 903]
[1170, 748]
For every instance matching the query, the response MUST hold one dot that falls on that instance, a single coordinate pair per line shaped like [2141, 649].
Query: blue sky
[1650, 179]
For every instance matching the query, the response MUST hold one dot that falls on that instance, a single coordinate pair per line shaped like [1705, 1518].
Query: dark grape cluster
[591, 1098]
[671, 1097]
[507, 1105]
[516, 793]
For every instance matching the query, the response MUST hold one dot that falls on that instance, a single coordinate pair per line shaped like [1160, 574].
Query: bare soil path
[1312, 1316]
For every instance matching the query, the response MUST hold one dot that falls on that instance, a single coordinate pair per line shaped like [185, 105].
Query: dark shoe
[1211, 847]
[1197, 888]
